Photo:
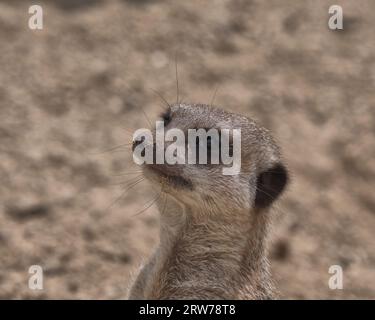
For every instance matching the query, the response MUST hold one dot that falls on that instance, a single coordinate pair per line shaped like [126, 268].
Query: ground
[73, 91]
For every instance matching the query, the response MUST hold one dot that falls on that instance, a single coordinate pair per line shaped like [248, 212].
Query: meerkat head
[261, 177]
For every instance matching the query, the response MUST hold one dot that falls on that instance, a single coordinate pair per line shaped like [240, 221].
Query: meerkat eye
[208, 143]
[197, 141]
[230, 151]
[166, 116]
[230, 147]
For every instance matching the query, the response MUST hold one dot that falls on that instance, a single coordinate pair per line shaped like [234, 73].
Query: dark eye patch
[166, 116]
[209, 145]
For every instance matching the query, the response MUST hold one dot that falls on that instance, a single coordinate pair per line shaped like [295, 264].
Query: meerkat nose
[136, 143]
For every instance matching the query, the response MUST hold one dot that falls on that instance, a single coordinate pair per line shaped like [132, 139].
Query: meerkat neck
[209, 256]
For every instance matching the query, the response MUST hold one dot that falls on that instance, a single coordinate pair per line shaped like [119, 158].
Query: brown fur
[212, 237]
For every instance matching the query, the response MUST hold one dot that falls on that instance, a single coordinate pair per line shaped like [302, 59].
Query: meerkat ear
[270, 184]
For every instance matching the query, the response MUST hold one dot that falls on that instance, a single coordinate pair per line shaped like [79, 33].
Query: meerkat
[213, 227]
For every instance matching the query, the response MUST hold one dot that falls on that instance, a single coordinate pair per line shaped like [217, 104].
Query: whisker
[123, 183]
[150, 205]
[161, 97]
[120, 151]
[132, 180]
[148, 120]
[129, 131]
[177, 84]
[112, 148]
[165, 204]
[126, 173]
[130, 186]
[214, 96]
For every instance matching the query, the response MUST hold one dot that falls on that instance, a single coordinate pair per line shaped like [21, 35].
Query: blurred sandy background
[75, 89]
